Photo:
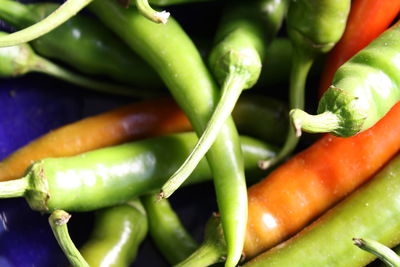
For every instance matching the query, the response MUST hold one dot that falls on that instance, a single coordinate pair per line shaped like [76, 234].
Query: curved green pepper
[82, 44]
[363, 90]
[313, 26]
[372, 212]
[21, 59]
[114, 175]
[167, 231]
[117, 233]
[171, 52]
[236, 63]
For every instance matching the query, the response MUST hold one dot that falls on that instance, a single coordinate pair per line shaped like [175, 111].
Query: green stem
[58, 221]
[301, 65]
[388, 256]
[146, 10]
[62, 14]
[321, 123]
[14, 188]
[212, 250]
[231, 90]
[40, 64]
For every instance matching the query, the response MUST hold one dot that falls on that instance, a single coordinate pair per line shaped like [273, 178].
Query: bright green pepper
[82, 44]
[167, 231]
[117, 233]
[19, 60]
[236, 63]
[171, 52]
[314, 26]
[372, 212]
[114, 175]
[363, 90]
[66, 11]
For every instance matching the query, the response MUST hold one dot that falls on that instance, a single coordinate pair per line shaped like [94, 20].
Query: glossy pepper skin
[19, 60]
[235, 60]
[117, 233]
[95, 49]
[359, 33]
[167, 231]
[171, 52]
[372, 212]
[363, 90]
[148, 118]
[113, 175]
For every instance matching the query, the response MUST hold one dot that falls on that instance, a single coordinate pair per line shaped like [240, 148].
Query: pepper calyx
[37, 195]
[345, 106]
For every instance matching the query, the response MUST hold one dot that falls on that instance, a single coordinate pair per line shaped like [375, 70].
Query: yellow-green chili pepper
[362, 92]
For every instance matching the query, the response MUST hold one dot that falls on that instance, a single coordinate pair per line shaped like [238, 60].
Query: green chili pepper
[273, 13]
[114, 175]
[313, 26]
[210, 251]
[66, 11]
[171, 52]
[372, 212]
[388, 256]
[58, 221]
[82, 44]
[236, 63]
[165, 228]
[363, 90]
[250, 110]
[277, 62]
[117, 233]
[19, 60]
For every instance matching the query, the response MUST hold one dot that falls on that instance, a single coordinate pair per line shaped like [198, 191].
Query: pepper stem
[301, 65]
[59, 16]
[213, 248]
[388, 256]
[58, 221]
[231, 90]
[146, 10]
[14, 188]
[321, 123]
[42, 65]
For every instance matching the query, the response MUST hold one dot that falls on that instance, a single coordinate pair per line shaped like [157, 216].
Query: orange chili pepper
[138, 120]
[367, 20]
[315, 179]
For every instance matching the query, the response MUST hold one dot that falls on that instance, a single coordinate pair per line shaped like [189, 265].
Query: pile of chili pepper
[128, 177]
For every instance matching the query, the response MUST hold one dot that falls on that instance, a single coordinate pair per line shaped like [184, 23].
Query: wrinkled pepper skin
[117, 233]
[95, 179]
[372, 212]
[310, 29]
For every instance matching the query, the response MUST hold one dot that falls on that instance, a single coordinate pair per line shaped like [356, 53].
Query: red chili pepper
[367, 20]
[314, 180]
